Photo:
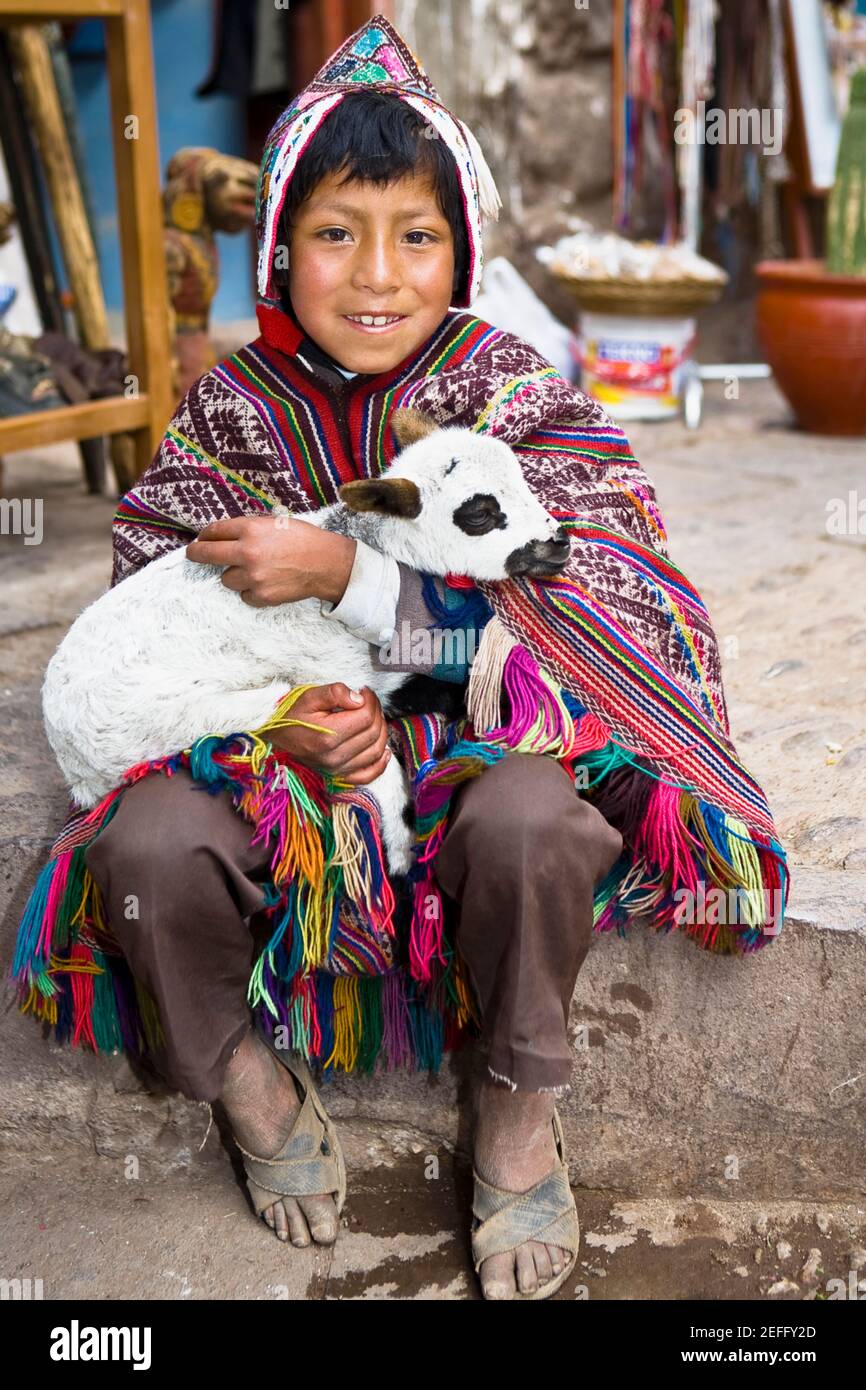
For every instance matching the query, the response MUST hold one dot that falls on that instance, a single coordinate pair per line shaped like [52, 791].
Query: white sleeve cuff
[369, 605]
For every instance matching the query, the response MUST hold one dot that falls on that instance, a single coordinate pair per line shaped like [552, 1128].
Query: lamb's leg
[94, 752]
[390, 789]
[391, 792]
[245, 710]
[240, 711]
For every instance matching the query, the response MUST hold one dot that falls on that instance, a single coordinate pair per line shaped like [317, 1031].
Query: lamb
[171, 654]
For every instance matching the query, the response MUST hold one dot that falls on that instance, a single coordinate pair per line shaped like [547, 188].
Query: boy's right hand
[357, 751]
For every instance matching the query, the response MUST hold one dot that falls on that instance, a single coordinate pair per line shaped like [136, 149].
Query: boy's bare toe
[524, 1269]
[321, 1218]
[302, 1219]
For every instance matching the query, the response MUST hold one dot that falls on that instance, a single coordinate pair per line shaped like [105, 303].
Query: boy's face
[358, 248]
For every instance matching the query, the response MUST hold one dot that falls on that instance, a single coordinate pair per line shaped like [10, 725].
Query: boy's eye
[336, 235]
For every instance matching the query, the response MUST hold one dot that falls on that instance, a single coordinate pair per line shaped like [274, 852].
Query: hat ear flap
[489, 200]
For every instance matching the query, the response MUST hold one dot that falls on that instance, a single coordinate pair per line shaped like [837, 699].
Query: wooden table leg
[139, 207]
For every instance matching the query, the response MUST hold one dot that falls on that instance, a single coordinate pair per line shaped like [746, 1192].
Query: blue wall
[182, 43]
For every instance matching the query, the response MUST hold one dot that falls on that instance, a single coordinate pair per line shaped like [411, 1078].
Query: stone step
[693, 1074]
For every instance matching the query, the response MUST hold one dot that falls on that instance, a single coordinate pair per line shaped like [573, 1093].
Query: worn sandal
[546, 1212]
[311, 1161]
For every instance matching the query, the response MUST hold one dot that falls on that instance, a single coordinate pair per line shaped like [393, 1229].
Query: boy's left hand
[276, 559]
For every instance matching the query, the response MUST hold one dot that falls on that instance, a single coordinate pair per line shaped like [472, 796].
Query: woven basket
[648, 298]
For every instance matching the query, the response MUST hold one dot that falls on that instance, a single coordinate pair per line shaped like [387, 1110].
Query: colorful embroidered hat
[377, 57]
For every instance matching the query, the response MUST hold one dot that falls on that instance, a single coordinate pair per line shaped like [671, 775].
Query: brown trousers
[522, 854]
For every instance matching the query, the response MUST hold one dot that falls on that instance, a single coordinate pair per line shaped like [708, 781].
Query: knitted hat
[376, 57]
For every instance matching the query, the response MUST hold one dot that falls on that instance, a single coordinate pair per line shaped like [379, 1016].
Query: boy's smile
[371, 269]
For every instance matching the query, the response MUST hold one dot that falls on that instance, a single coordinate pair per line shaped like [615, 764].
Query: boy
[396, 251]
[369, 230]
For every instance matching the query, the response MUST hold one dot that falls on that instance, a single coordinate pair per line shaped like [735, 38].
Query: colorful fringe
[331, 973]
[682, 854]
[336, 973]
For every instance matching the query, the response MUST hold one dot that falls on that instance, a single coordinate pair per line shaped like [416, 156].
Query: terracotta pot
[812, 327]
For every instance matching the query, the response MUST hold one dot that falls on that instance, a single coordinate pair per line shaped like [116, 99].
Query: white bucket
[634, 366]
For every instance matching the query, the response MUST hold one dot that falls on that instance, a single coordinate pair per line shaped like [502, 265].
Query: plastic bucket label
[635, 366]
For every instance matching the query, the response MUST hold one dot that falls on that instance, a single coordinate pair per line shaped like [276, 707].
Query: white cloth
[369, 604]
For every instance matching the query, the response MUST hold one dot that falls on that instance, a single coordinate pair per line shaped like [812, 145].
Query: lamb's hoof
[403, 904]
[399, 860]
[399, 847]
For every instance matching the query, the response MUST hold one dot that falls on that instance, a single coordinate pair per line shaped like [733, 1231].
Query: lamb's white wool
[171, 654]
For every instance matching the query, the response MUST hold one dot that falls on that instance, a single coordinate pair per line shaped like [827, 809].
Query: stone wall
[533, 80]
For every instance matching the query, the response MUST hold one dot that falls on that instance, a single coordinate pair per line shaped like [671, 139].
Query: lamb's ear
[410, 425]
[387, 496]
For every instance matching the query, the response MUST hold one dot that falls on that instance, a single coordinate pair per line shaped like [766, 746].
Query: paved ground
[747, 503]
[746, 500]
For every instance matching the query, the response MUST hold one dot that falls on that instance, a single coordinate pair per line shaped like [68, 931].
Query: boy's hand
[357, 750]
[276, 559]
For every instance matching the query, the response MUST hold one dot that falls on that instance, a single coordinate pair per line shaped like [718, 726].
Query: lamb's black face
[540, 558]
[481, 513]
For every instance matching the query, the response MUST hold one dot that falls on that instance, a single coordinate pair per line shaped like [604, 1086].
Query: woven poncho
[612, 669]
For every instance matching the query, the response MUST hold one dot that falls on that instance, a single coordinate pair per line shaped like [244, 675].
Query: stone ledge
[687, 1067]
[829, 899]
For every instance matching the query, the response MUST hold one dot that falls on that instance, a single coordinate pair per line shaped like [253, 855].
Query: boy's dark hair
[377, 138]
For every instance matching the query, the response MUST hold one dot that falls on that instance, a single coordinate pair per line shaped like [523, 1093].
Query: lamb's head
[454, 501]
